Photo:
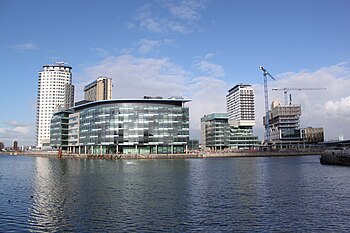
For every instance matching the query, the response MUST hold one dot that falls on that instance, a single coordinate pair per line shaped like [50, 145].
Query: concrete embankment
[194, 155]
[173, 156]
[335, 159]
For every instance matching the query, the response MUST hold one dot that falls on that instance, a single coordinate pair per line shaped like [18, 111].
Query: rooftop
[239, 85]
[59, 63]
[117, 101]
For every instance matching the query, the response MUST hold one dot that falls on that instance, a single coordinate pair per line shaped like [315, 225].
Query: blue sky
[197, 49]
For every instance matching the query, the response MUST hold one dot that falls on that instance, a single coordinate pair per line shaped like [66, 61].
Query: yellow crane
[286, 89]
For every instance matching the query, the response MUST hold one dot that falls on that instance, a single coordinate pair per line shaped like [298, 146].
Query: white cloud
[209, 56]
[172, 16]
[100, 51]
[163, 25]
[186, 9]
[146, 46]
[211, 68]
[153, 25]
[13, 123]
[208, 96]
[339, 109]
[14, 131]
[25, 47]
[204, 65]
[135, 77]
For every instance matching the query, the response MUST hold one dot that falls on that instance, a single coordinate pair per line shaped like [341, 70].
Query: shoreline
[169, 156]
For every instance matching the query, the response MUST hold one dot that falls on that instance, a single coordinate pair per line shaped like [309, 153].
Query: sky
[195, 49]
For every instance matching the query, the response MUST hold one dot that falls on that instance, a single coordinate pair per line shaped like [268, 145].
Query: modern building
[100, 89]
[312, 135]
[234, 129]
[284, 124]
[219, 134]
[127, 126]
[59, 129]
[54, 89]
[193, 144]
[15, 146]
[240, 105]
[215, 131]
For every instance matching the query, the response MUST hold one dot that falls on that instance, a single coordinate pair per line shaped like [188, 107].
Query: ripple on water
[206, 195]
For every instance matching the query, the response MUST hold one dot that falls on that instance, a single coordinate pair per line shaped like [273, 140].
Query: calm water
[285, 194]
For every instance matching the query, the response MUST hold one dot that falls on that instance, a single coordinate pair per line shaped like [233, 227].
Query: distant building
[81, 102]
[68, 96]
[218, 133]
[313, 135]
[153, 97]
[132, 126]
[54, 90]
[193, 144]
[2, 146]
[15, 146]
[100, 89]
[284, 124]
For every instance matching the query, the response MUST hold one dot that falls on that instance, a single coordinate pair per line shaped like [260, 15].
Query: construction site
[282, 121]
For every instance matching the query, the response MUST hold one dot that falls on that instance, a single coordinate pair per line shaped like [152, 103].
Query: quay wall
[335, 159]
[171, 156]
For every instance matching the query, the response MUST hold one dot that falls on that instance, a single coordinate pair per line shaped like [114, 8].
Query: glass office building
[132, 126]
[215, 131]
[219, 134]
[59, 130]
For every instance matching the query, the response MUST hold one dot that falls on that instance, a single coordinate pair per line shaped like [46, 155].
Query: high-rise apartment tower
[240, 105]
[54, 89]
[100, 89]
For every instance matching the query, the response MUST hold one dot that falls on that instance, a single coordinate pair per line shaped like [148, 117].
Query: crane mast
[267, 116]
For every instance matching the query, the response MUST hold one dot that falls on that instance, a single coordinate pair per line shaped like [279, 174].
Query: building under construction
[285, 131]
[284, 125]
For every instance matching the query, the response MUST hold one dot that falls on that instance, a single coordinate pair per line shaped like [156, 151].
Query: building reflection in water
[203, 194]
[52, 191]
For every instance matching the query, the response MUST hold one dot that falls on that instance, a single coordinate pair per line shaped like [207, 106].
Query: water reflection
[50, 194]
[210, 195]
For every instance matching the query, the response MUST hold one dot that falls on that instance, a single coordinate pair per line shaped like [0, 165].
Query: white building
[54, 82]
[240, 105]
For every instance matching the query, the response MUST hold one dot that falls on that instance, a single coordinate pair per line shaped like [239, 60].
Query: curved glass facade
[59, 130]
[130, 127]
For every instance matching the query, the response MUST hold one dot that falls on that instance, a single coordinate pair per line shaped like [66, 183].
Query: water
[284, 194]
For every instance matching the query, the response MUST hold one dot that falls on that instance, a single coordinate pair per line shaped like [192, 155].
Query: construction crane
[267, 116]
[285, 89]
